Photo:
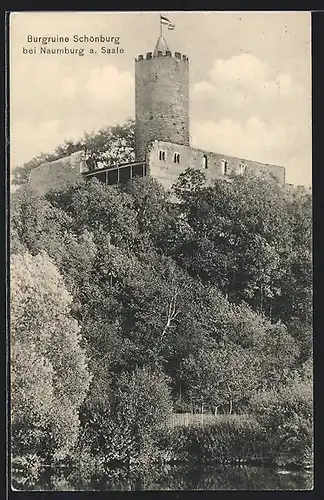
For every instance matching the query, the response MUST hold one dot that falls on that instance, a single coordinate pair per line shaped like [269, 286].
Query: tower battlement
[161, 53]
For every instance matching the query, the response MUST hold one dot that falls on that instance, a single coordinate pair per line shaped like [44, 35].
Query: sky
[250, 81]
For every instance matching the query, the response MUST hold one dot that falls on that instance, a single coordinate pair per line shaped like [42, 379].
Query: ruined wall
[298, 191]
[212, 164]
[58, 174]
[161, 100]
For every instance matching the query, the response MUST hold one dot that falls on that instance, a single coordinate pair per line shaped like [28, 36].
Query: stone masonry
[166, 161]
[58, 174]
[161, 100]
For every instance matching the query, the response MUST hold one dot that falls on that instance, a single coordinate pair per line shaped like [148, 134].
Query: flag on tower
[164, 20]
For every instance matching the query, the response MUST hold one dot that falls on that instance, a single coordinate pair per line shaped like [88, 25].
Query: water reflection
[189, 477]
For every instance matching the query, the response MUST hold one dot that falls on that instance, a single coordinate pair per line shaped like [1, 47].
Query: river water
[193, 477]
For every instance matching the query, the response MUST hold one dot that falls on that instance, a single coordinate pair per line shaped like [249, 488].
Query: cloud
[243, 67]
[244, 106]
[69, 86]
[248, 72]
[245, 84]
[248, 109]
[75, 103]
[108, 96]
[298, 170]
[108, 84]
[202, 87]
[28, 140]
[253, 140]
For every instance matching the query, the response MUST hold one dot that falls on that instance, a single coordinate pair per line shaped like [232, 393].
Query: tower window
[176, 158]
[224, 167]
[204, 161]
[162, 155]
[242, 168]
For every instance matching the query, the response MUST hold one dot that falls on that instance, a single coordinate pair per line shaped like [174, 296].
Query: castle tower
[161, 98]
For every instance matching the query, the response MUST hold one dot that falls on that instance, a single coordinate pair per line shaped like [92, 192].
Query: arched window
[224, 167]
[162, 155]
[242, 168]
[176, 158]
[204, 161]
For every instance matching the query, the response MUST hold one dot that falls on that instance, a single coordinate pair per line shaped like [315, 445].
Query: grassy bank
[229, 439]
[221, 439]
[185, 439]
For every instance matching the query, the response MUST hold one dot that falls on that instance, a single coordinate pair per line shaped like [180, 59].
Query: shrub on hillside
[123, 430]
[287, 414]
[143, 402]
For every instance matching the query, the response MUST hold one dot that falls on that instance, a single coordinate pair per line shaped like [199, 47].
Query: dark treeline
[127, 306]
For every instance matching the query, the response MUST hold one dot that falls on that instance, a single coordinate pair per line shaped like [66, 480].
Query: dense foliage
[49, 375]
[200, 305]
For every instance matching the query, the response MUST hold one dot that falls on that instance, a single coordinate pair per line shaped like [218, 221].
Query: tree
[188, 183]
[156, 216]
[109, 145]
[225, 375]
[303, 335]
[287, 412]
[37, 225]
[242, 236]
[193, 289]
[278, 354]
[143, 401]
[125, 427]
[49, 374]
[297, 300]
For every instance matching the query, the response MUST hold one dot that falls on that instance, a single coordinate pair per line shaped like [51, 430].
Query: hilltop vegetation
[203, 305]
[110, 144]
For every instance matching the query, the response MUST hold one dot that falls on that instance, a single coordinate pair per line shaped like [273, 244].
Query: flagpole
[160, 26]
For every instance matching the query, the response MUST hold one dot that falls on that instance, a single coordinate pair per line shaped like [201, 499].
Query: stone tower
[161, 98]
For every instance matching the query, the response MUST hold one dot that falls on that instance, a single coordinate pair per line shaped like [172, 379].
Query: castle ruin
[162, 134]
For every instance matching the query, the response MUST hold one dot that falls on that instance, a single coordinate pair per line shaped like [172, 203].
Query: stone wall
[161, 100]
[165, 161]
[167, 170]
[58, 174]
[298, 191]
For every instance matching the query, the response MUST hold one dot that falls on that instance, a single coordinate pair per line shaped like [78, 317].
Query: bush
[26, 471]
[171, 444]
[107, 436]
[123, 430]
[229, 438]
[143, 401]
[181, 406]
[287, 413]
